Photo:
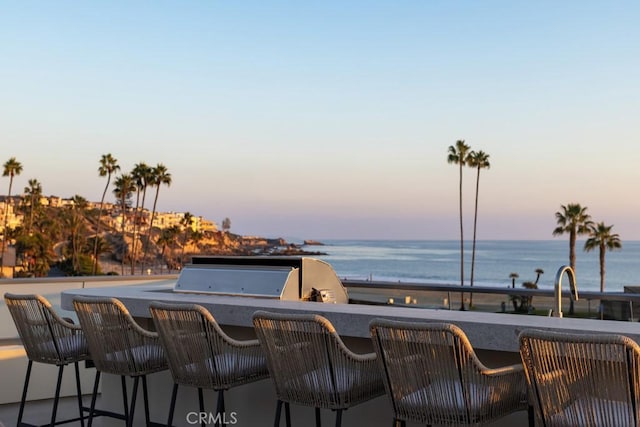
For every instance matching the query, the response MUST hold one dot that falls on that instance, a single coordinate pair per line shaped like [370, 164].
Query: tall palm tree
[478, 160]
[124, 188]
[108, 166]
[159, 176]
[600, 237]
[142, 174]
[12, 167]
[33, 192]
[459, 155]
[575, 220]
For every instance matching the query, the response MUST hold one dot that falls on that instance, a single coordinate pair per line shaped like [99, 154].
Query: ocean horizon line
[343, 239]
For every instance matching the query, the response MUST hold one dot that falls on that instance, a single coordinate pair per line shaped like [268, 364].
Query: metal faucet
[557, 312]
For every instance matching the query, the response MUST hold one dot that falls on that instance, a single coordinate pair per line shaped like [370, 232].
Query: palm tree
[142, 175]
[12, 167]
[185, 222]
[601, 237]
[459, 155]
[76, 228]
[478, 160]
[108, 166]
[33, 191]
[37, 253]
[527, 300]
[160, 175]
[167, 238]
[575, 220]
[124, 188]
[513, 277]
[539, 272]
[513, 298]
[197, 237]
[102, 244]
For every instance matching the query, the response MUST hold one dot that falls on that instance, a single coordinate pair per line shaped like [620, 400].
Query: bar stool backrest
[118, 344]
[433, 375]
[582, 379]
[310, 365]
[47, 337]
[200, 353]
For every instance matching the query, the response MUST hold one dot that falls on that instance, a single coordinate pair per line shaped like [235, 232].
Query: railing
[399, 290]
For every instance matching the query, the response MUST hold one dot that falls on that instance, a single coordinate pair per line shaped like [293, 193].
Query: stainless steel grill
[285, 278]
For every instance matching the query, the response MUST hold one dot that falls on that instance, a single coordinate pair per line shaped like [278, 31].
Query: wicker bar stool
[201, 355]
[433, 376]
[582, 379]
[50, 339]
[311, 366]
[119, 346]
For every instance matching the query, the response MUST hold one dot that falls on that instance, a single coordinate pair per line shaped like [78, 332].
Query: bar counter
[494, 336]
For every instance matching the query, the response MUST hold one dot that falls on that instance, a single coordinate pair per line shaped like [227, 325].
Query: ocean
[432, 261]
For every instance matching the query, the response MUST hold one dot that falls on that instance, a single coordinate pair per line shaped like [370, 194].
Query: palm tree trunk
[138, 218]
[31, 215]
[602, 266]
[135, 232]
[95, 243]
[461, 246]
[572, 261]
[4, 230]
[153, 215]
[124, 240]
[184, 244]
[473, 250]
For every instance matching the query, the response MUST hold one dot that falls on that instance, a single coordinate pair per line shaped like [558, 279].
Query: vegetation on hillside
[81, 238]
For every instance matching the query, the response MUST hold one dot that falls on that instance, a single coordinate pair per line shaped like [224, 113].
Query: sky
[332, 119]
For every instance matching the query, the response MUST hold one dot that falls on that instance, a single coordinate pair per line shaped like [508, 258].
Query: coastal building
[203, 225]
[170, 219]
[14, 218]
[111, 213]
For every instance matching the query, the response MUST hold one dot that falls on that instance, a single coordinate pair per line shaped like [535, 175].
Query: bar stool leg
[57, 395]
[24, 392]
[531, 416]
[220, 408]
[145, 395]
[134, 394]
[79, 392]
[93, 398]
[201, 404]
[125, 399]
[174, 394]
[287, 414]
[276, 422]
[339, 418]
[318, 420]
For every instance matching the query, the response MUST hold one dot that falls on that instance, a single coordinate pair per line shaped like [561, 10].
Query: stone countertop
[487, 331]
